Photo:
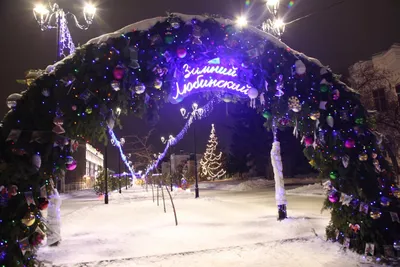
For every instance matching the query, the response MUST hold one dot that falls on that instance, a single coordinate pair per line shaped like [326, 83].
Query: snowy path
[219, 229]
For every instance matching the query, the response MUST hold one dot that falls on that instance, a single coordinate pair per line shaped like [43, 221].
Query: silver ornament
[12, 100]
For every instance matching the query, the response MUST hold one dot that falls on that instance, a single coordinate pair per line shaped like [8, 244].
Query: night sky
[337, 36]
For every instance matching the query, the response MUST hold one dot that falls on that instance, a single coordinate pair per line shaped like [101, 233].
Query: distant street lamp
[51, 16]
[193, 115]
[164, 141]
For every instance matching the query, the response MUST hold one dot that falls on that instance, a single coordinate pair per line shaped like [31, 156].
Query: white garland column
[276, 160]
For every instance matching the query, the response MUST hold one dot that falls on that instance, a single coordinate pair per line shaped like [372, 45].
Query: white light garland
[211, 165]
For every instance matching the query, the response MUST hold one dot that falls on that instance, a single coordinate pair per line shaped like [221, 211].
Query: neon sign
[206, 78]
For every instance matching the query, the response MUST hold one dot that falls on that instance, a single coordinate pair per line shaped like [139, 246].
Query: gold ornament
[29, 219]
[315, 115]
[363, 157]
[312, 163]
[294, 104]
[375, 214]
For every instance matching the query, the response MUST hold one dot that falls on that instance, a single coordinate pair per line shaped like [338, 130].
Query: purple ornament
[333, 197]
[350, 143]
[72, 166]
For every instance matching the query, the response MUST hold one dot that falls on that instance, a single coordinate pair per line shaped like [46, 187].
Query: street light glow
[278, 23]
[41, 9]
[241, 21]
[273, 2]
[89, 9]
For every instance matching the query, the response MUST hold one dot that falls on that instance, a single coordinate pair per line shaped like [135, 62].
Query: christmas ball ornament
[333, 197]
[169, 38]
[294, 104]
[43, 203]
[363, 157]
[69, 160]
[267, 114]
[227, 98]
[29, 219]
[46, 92]
[140, 88]
[89, 110]
[359, 121]
[315, 115]
[115, 86]
[36, 161]
[396, 192]
[308, 140]
[375, 214]
[252, 93]
[181, 52]
[72, 166]
[37, 239]
[330, 121]
[350, 143]
[12, 100]
[312, 163]
[324, 88]
[374, 155]
[74, 107]
[300, 67]
[335, 94]
[118, 72]
[333, 175]
[175, 24]
[158, 84]
[13, 190]
[385, 202]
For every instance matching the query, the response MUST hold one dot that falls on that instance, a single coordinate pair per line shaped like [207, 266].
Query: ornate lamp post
[51, 16]
[164, 141]
[274, 24]
[193, 115]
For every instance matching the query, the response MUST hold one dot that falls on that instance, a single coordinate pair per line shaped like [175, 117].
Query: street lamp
[274, 24]
[51, 16]
[193, 115]
[164, 141]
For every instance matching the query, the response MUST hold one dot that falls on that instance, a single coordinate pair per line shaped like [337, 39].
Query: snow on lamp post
[193, 115]
[51, 16]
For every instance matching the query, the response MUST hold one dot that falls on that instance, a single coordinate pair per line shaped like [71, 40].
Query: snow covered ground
[308, 190]
[221, 228]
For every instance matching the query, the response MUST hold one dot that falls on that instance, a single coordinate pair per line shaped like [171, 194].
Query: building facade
[90, 161]
[378, 78]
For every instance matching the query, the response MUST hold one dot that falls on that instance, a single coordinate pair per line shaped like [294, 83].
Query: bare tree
[377, 87]
[141, 149]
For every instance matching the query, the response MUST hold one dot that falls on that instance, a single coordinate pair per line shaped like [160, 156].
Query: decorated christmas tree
[211, 165]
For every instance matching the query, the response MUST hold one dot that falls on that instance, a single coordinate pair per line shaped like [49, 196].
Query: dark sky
[338, 37]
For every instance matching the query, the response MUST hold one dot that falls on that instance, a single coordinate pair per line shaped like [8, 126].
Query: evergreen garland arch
[136, 69]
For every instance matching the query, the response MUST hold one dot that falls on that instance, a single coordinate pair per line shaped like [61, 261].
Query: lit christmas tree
[211, 165]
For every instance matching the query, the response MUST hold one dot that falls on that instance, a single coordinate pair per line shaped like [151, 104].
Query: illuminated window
[379, 99]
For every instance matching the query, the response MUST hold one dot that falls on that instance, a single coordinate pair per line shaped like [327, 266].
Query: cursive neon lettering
[188, 71]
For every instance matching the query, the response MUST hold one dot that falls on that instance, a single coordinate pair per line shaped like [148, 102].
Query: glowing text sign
[206, 78]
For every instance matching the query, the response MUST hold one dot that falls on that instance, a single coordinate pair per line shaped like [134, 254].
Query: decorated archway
[137, 68]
